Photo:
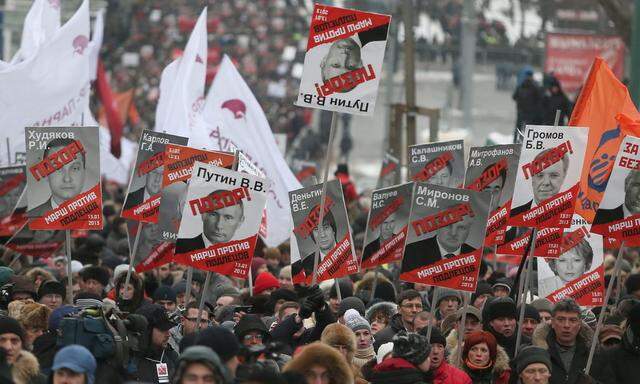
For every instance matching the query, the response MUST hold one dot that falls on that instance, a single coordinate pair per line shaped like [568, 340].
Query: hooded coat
[544, 337]
[394, 370]
[499, 373]
[325, 356]
[620, 365]
[386, 335]
[26, 370]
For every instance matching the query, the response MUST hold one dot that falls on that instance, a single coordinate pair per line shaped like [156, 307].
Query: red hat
[265, 281]
[478, 337]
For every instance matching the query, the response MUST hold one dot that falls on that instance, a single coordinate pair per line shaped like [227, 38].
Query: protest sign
[152, 251]
[63, 178]
[547, 242]
[178, 164]
[439, 163]
[389, 172]
[43, 243]
[387, 224]
[306, 172]
[220, 220]
[578, 272]
[246, 166]
[493, 169]
[547, 176]
[333, 238]
[343, 62]
[446, 235]
[618, 215]
[12, 183]
[143, 198]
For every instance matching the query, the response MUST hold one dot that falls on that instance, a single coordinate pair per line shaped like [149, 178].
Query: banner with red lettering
[389, 172]
[306, 172]
[246, 166]
[63, 178]
[151, 252]
[440, 163]
[12, 183]
[445, 236]
[43, 243]
[577, 273]
[618, 215]
[178, 163]
[220, 220]
[332, 240]
[493, 169]
[343, 62]
[142, 202]
[387, 225]
[547, 243]
[547, 176]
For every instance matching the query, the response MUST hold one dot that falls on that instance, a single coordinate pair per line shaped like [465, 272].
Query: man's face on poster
[442, 177]
[547, 183]
[67, 181]
[453, 236]
[325, 237]
[154, 181]
[220, 225]
[387, 227]
[150, 232]
[343, 56]
[495, 188]
[632, 192]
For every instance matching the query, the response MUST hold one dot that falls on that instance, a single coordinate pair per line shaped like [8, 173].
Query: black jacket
[385, 335]
[142, 366]
[621, 365]
[284, 332]
[528, 98]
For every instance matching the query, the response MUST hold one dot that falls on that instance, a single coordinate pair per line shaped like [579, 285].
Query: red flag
[603, 97]
[111, 109]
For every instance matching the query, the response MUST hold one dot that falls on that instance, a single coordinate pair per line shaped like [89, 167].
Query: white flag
[182, 85]
[50, 89]
[235, 120]
[96, 44]
[40, 25]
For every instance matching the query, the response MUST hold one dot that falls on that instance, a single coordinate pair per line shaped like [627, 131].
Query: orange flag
[603, 97]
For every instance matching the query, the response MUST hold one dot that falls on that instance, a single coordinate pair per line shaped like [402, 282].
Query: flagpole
[187, 294]
[203, 294]
[432, 312]
[327, 162]
[132, 255]
[67, 244]
[461, 328]
[523, 301]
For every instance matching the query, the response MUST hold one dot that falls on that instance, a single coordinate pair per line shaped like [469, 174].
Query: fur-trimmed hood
[501, 364]
[337, 333]
[319, 354]
[541, 333]
[25, 369]
[387, 307]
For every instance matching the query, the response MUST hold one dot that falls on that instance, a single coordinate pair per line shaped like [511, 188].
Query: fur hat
[52, 287]
[338, 334]
[499, 307]
[321, 355]
[388, 308]
[412, 347]
[34, 315]
[96, 273]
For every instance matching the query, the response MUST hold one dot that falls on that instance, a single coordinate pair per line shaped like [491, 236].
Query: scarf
[363, 356]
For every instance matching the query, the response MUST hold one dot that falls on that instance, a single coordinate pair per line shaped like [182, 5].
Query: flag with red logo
[142, 202]
[445, 236]
[331, 241]
[12, 184]
[220, 220]
[178, 164]
[235, 121]
[387, 225]
[343, 62]
[493, 169]
[548, 174]
[63, 178]
[602, 98]
[389, 172]
[439, 163]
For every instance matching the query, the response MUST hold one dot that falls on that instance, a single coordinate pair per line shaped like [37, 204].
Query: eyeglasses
[257, 337]
[409, 306]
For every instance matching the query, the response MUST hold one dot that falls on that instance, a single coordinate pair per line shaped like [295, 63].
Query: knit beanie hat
[164, 292]
[264, 281]
[478, 337]
[351, 303]
[436, 336]
[353, 320]
[412, 347]
[11, 325]
[530, 312]
[530, 355]
[96, 273]
[52, 287]
[500, 307]
[445, 293]
[221, 340]
[383, 351]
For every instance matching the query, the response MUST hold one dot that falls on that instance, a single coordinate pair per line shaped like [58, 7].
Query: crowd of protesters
[283, 333]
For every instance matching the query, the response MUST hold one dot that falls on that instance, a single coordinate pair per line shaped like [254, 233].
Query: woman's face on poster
[570, 265]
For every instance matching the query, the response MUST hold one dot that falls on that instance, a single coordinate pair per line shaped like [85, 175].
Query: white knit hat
[383, 351]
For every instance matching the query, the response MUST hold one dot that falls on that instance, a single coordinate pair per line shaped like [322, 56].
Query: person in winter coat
[409, 305]
[409, 362]
[348, 188]
[482, 359]
[202, 365]
[622, 361]
[533, 366]
[73, 364]
[33, 318]
[568, 341]
[499, 318]
[341, 338]
[131, 298]
[379, 315]
[528, 98]
[319, 363]
[555, 99]
[24, 366]
[442, 372]
[364, 339]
